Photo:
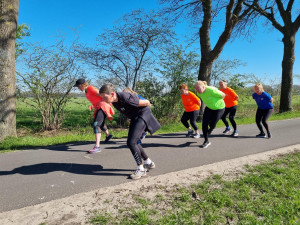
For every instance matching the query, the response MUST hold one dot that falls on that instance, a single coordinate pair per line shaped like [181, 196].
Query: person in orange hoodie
[101, 111]
[191, 105]
[231, 102]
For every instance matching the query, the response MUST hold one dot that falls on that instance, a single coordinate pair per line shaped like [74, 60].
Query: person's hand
[91, 107]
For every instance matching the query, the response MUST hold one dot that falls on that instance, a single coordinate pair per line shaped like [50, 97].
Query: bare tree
[8, 26]
[49, 74]
[124, 51]
[204, 13]
[280, 14]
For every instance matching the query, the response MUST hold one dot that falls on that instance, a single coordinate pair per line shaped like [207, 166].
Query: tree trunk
[8, 26]
[287, 73]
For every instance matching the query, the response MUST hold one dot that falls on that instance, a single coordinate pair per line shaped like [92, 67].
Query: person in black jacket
[141, 119]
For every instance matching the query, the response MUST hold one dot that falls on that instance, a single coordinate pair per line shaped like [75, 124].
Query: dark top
[128, 105]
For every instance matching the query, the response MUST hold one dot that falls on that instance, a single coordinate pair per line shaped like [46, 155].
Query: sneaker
[226, 131]
[205, 144]
[108, 138]
[95, 150]
[261, 135]
[148, 166]
[138, 174]
[269, 135]
[144, 135]
[234, 134]
[139, 142]
[190, 133]
[196, 135]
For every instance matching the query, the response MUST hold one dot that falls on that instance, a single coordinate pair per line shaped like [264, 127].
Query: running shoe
[95, 150]
[149, 166]
[139, 142]
[138, 174]
[108, 138]
[144, 135]
[269, 135]
[234, 134]
[226, 131]
[205, 144]
[197, 135]
[261, 135]
[190, 133]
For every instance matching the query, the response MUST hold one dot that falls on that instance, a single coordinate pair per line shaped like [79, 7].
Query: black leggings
[99, 122]
[192, 116]
[231, 111]
[210, 118]
[136, 128]
[262, 115]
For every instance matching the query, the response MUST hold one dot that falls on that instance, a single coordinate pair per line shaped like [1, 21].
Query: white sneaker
[138, 174]
[196, 135]
[148, 166]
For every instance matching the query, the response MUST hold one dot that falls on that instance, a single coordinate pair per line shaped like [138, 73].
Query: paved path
[35, 176]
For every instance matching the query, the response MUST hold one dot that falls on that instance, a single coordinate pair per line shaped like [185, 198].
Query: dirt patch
[78, 208]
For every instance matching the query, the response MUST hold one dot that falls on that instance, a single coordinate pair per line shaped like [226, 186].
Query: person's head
[81, 84]
[184, 89]
[107, 92]
[128, 89]
[200, 86]
[223, 84]
[258, 88]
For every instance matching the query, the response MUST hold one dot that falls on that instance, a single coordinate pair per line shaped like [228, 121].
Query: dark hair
[107, 89]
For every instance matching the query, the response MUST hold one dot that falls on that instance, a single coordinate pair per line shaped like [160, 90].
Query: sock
[148, 161]
[141, 167]
[228, 128]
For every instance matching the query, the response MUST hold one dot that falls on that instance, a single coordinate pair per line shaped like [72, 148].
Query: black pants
[136, 128]
[231, 111]
[99, 122]
[262, 115]
[192, 117]
[210, 118]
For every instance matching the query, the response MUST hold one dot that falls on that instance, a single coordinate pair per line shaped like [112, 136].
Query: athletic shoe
[190, 133]
[269, 135]
[205, 144]
[95, 150]
[138, 174]
[139, 142]
[226, 131]
[108, 138]
[234, 134]
[149, 166]
[261, 135]
[144, 135]
[196, 135]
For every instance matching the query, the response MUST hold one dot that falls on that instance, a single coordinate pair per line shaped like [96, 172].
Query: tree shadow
[85, 169]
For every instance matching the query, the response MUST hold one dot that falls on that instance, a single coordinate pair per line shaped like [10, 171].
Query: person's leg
[266, 115]
[231, 117]
[258, 118]
[184, 120]
[216, 116]
[98, 125]
[205, 121]
[227, 110]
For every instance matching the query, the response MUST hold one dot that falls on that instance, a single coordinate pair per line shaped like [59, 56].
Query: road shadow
[156, 145]
[85, 169]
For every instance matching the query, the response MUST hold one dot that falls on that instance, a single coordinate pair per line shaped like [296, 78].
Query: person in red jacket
[191, 105]
[101, 111]
[230, 107]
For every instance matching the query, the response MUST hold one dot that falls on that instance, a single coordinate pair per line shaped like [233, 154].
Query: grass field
[78, 120]
[264, 194]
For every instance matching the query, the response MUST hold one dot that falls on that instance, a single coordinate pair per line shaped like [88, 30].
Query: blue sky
[263, 54]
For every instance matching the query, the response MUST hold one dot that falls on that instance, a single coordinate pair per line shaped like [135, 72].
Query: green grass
[265, 194]
[78, 120]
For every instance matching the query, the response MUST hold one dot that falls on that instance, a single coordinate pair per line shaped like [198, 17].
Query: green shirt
[212, 98]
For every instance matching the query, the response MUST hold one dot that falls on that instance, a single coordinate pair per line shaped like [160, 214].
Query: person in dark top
[141, 119]
[265, 109]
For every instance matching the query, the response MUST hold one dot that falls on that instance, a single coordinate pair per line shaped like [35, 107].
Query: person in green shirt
[214, 110]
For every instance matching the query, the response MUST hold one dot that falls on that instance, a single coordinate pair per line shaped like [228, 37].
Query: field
[78, 120]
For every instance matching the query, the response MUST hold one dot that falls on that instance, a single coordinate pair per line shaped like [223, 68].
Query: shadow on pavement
[86, 169]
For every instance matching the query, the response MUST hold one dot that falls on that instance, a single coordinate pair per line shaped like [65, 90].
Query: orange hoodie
[190, 102]
[230, 97]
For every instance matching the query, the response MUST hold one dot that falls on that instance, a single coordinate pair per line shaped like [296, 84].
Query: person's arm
[143, 103]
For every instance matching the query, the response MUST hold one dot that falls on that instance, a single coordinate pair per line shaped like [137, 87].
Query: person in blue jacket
[265, 109]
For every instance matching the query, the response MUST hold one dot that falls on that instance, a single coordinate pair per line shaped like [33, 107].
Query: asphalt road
[40, 175]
